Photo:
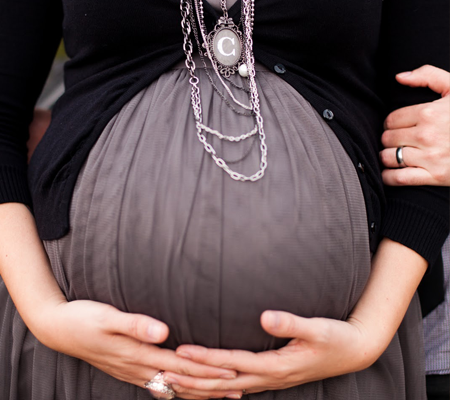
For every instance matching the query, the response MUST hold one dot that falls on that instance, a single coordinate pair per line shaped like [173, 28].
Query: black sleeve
[30, 32]
[414, 33]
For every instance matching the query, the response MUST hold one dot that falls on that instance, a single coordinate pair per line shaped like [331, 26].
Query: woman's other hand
[118, 343]
[321, 348]
[38, 127]
[423, 130]
[121, 344]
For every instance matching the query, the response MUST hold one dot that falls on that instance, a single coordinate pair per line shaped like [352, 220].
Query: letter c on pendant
[220, 46]
[226, 47]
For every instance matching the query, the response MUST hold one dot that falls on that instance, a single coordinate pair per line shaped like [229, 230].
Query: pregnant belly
[158, 229]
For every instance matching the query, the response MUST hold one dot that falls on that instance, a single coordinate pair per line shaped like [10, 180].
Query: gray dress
[158, 229]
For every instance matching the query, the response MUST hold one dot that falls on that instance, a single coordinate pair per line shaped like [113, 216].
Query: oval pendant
[227, 47]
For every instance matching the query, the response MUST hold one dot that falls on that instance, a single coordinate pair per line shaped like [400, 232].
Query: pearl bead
[243, 71]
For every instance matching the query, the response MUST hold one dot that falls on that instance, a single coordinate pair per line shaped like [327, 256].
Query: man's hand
[424, 132]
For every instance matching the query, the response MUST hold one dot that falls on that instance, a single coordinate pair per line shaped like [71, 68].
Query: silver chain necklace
[219, 40]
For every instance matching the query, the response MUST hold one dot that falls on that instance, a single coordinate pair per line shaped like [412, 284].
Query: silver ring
[160, 389]
[399, 155]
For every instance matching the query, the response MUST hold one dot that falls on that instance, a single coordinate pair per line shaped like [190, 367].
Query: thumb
[438, 80]
[141, 327]
[286, 325]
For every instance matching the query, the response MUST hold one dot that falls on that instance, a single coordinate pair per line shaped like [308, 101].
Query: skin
[424, 130]
[40, 123]
[123, 345]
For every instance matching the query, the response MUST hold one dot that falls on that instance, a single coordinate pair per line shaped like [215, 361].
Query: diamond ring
[160, 389]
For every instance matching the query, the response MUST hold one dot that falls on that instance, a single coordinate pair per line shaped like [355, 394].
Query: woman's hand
[120, 344]
[321, 348]
[423, 130]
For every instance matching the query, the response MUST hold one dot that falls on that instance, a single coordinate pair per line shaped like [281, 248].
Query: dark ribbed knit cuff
[415, 227]
[14, 185]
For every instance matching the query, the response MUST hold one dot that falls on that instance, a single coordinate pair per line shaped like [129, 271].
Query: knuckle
[224, 361]
[179, 389]
[440, 175]
[422, 137]
[185, 392]
[415, 181]
[228, 363]
[106, 316]
[132, 328]
[427, 157]
[400, 179]
[434, 155]
[183, 370]
[134, 356]
[201, 385]
[324, 332]
[433, 135]
[288, 325]
[281, 373]
[427, 68]
[427, 114]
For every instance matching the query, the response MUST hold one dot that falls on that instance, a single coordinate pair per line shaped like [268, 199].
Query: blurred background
[54, 87]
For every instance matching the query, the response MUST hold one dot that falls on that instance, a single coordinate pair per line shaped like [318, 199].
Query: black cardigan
[341, 56]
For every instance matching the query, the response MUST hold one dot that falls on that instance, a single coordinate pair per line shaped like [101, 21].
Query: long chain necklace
[222, 48]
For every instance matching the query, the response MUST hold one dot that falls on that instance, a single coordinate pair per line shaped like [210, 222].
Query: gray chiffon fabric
[157, 228]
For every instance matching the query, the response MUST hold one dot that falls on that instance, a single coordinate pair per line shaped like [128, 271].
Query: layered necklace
[229, 51]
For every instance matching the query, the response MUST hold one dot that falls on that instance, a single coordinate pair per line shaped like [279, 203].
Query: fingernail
[169, 379]
[233, 396]
[404, 74]
[154, 332]
[183, 355]
[228, 376]
[274, 319]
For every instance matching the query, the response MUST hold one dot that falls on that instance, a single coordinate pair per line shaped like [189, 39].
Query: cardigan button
[361, 167]
[280, 69]
[328, 114]
[373, 227]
